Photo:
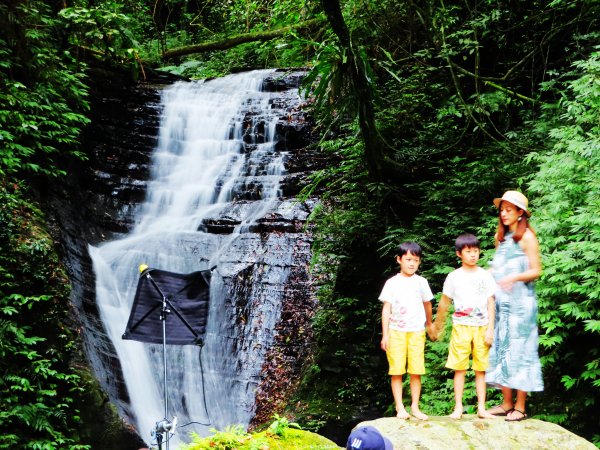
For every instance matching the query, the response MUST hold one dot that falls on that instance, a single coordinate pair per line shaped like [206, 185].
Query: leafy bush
[463, 114]
[280, 435]
[37, 385]
[43, 95]
[41, 116]
[567, 190]
[280, 425]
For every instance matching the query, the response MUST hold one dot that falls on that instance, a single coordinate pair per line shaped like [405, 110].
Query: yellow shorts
[465, 340]
[406, 346]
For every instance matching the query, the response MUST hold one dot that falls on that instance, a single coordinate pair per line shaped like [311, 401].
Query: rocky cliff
[99, 199]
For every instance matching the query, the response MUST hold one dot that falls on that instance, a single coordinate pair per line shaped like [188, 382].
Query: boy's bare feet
[456, 414]
[483, 414]
[402, 414]
[416, 412]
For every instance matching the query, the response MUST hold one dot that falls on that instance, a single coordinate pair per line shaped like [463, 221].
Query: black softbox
[180, 300]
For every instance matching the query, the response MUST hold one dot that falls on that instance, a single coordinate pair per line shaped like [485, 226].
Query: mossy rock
[292, 439]
[471, 432]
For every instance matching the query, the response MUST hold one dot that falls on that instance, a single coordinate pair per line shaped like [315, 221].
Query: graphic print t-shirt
[406, 295]
[469, 291]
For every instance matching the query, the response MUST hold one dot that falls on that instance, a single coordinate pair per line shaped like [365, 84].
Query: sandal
[518, 419]
[499, 411]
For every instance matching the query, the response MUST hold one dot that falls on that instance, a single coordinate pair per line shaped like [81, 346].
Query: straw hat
[516, 198]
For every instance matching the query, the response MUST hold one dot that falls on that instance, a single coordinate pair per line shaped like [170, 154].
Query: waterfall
[216, 161]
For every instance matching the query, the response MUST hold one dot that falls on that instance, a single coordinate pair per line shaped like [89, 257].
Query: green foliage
[473, 112]
[346, 323]
[36, 385]
[103, 28]
[288, 51]
[230, 438]
[43, 95]
[243, 15]
[41, 116]
[458, 201]
[280, 425]
[369, 220]
[327, 79]
[281, 435]
[567, 188]
[219, 20]
[463, 91]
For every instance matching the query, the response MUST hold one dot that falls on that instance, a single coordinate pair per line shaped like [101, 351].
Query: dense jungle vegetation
[429, 109]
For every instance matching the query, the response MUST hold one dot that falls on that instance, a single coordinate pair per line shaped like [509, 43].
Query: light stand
[194, 297]
[163, 427]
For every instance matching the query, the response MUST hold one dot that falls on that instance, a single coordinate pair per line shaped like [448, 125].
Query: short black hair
[410, 247]
[466, 240]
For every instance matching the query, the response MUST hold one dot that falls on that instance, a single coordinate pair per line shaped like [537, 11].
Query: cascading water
[216, 160]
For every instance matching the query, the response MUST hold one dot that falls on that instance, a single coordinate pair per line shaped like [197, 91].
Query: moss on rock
[236, 438]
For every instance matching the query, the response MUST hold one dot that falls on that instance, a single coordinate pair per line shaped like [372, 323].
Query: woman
[513, 362]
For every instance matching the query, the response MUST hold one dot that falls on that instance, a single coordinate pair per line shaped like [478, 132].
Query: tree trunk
[238, 39]
[380, 166]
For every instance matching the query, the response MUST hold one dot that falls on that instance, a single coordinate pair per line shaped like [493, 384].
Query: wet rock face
[119, 142]
[283, 81]
[96, 202]
[101, 196]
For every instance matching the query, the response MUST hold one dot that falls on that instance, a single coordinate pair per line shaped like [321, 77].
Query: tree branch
[235, 40]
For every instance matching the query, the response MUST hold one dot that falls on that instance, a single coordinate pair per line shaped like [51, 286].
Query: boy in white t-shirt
[406, 310]
[471, 289]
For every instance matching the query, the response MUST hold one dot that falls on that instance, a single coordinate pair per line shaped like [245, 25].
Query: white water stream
[198, 168]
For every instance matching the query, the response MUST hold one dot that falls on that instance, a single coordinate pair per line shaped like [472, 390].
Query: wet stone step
[218, 226]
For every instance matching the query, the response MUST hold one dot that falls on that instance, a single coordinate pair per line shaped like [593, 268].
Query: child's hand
[432, 332]
[384, 343]
[489, 336]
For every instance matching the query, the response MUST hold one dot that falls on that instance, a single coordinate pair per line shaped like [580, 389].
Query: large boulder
[470, 432]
